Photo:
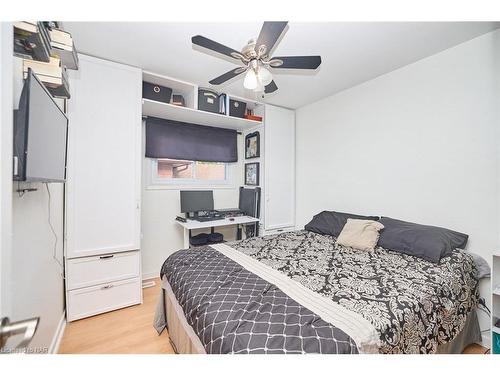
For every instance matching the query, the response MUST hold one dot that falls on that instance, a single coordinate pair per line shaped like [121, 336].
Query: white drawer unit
[103, 188]
[102, 298]
[100, 269]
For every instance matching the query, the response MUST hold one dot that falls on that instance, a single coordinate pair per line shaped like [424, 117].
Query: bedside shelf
[194, 116]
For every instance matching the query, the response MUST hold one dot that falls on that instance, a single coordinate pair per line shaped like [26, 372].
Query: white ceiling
[352, 53]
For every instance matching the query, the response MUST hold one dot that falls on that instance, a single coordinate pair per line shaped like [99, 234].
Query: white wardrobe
[102, 229]
[279, 170]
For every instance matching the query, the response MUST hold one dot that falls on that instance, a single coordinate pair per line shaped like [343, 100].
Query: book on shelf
[60, 37]
[61, 91]
[30, 41]
[52, 68]
[57, 85]
[61, 44]
[69, 58]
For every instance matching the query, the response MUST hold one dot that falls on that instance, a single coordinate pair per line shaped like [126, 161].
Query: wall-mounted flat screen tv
[40, 135]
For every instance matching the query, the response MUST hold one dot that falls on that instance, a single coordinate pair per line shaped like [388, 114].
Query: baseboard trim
[150, 275]
[486, 337]
[58, 335]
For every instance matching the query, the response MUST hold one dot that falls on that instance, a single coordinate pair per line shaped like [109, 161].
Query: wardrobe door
[103, 188]
[279, 168]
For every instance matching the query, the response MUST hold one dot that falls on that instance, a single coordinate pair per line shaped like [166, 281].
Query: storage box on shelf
[178, 87]
[190, 113]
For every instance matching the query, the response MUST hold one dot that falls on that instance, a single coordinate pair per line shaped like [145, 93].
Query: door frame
[6, 184]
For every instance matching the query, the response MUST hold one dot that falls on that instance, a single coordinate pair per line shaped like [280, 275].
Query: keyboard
[207, 218]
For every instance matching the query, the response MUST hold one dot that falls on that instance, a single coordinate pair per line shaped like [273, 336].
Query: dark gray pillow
[482, 266]
[422, 241]
[332, 223]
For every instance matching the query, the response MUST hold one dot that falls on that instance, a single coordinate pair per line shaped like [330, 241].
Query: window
[169, 171]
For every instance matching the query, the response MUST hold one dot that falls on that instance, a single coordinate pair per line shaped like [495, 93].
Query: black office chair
[249, 204]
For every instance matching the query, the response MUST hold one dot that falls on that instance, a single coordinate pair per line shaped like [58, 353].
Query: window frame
[156, 181]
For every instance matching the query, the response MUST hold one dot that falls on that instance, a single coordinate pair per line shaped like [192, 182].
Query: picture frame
[252, 145]
[252, 174]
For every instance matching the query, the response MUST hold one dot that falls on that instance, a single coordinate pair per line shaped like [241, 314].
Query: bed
[302, 292]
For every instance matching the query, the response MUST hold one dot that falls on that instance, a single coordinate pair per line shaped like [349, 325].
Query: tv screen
[40, 135]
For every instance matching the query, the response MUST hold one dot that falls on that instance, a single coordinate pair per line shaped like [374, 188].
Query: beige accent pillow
[360, 234]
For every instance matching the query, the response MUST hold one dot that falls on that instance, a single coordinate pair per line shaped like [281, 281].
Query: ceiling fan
[256, 58]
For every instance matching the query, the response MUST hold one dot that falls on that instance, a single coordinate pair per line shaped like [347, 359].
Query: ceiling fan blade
[297, 62]
[271, 88]
[213, 46]
[227, 76]
[270, 34]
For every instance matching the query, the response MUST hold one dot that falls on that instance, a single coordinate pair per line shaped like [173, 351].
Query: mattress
[275, 289]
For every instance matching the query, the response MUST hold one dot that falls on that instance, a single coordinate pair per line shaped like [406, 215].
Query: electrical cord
[482, 306]
[56, 239]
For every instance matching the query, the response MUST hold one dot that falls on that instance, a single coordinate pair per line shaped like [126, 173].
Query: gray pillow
[422, 241]
[483, 268]
[331, 222]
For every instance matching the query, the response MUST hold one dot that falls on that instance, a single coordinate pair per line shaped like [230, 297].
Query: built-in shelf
[194, 116]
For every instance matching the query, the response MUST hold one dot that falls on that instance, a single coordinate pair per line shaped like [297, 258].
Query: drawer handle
[107, 286]
[106, 257]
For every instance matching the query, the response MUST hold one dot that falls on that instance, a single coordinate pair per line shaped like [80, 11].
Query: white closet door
[103, 189]
[279, 168]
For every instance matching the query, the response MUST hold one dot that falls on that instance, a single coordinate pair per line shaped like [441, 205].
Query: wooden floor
[130, 331]
[124, 331]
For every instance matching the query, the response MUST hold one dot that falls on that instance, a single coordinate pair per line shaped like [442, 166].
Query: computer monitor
[197, 200]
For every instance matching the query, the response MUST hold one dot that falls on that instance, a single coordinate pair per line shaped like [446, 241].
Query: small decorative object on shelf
[252, 174]
[178, 100]
[250, 116]
[252, 145]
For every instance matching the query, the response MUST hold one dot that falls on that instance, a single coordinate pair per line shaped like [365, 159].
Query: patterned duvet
[414, 305]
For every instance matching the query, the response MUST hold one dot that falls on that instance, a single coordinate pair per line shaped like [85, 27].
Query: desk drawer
[88, 271]
[101, 298]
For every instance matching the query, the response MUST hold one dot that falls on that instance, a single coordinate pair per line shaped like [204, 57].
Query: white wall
[420, 144]
[161, 236]
[6, 165]
[36, 284]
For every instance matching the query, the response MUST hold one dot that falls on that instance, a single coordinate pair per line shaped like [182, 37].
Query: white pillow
[360, 234]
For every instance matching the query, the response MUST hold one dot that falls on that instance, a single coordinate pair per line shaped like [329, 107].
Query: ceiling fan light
[250, 81]
[259, 88]
[265, 76]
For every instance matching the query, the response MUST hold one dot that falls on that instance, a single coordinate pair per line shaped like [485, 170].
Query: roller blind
[168, 139]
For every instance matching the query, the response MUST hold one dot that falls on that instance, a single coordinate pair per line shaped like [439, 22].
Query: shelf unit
[190, 112]
[495, 311]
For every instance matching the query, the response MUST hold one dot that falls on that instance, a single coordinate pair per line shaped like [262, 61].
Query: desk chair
[249, 204]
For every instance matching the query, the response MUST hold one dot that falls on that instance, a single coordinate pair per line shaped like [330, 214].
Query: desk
[193, 224]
